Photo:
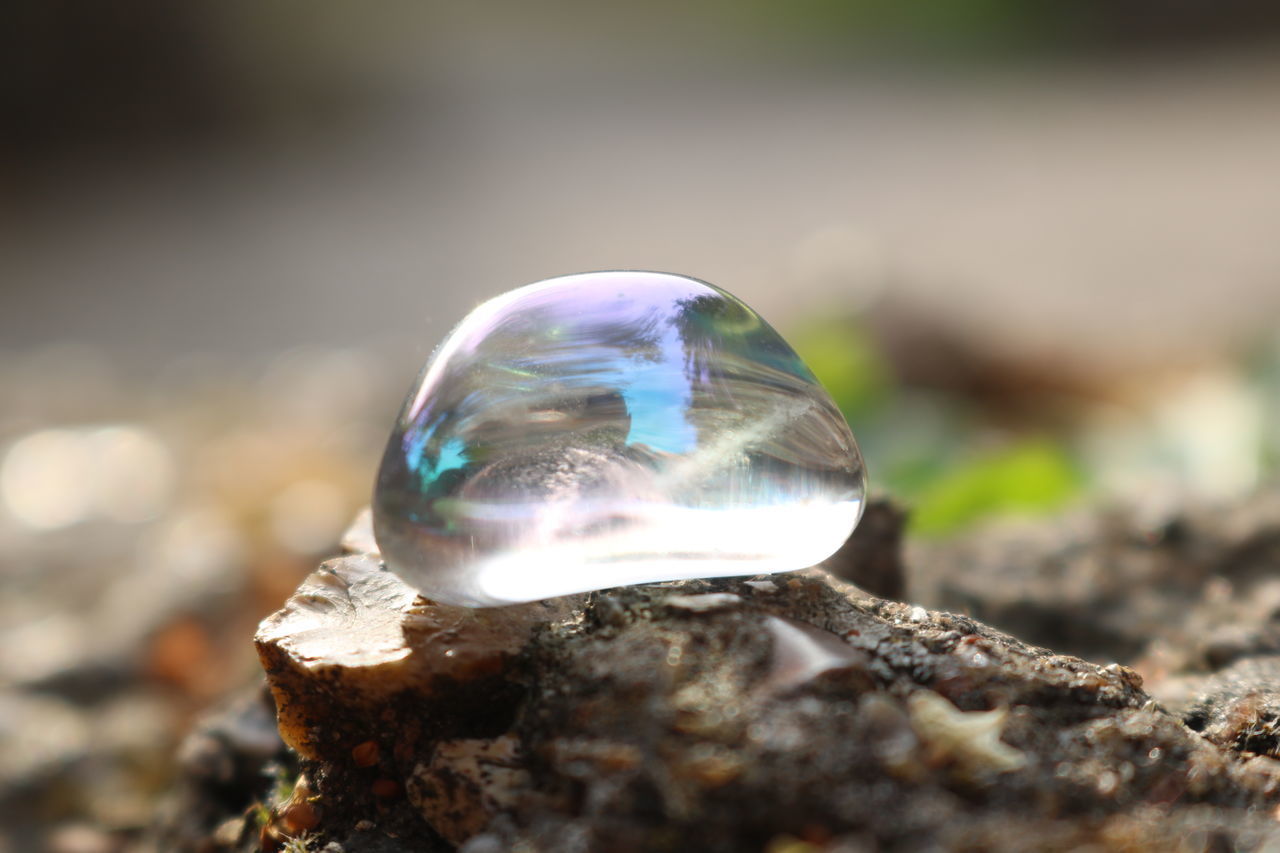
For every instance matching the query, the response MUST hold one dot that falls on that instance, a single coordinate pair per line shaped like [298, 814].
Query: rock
[1195, 591]
[467, 783]
[1239, 707]
[354, 640]
[790, 713]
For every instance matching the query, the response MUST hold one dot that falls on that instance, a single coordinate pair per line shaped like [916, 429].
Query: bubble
[607, 429]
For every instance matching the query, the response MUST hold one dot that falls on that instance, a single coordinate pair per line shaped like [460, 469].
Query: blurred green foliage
[917, 31]
[920, 444]
[924, 27]
[1027, 475]
[1262, 367]
[846, 360]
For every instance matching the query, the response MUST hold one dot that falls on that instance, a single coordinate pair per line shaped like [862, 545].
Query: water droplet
[608, 429]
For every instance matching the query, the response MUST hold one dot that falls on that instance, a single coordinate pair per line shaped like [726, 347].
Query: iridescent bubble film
[606, 429]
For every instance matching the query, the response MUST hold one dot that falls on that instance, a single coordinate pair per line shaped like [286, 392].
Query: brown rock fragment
[355, 638]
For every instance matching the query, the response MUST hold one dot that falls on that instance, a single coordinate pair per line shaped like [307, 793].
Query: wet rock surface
[793, 713]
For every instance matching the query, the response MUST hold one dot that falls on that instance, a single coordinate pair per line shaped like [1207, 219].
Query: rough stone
[794, 713]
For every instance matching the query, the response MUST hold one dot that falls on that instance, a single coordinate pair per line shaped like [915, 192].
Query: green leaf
[847, 362]
[1030, 476]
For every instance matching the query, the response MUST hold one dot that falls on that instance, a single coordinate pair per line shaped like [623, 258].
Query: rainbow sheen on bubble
[607, 429]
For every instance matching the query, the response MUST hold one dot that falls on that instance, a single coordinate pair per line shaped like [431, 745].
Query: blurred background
[1030, 248]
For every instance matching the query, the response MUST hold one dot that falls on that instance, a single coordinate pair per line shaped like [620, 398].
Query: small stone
[802, 652]
[366, 754]
[970, 738]
[706, 603]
